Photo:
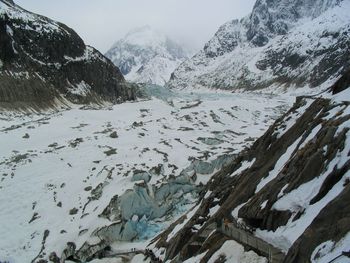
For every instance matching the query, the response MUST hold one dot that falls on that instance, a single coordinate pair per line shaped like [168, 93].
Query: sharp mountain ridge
[280, 45]
[44, 63]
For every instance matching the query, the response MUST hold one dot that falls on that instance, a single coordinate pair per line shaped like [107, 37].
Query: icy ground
[232, 252]
[50, 163]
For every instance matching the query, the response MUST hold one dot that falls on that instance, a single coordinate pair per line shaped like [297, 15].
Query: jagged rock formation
[43, 62]
[99, 177]
[281, 43]
[131, 214]
[289, 188]
[146, 56]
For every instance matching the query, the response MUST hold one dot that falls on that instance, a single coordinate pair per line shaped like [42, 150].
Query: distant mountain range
[146, 55]
[281, 44]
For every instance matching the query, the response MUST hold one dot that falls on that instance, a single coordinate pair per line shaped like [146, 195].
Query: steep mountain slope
[147, 56]
[111, 177]
[281, 43]
[43, 62]
[290, 191]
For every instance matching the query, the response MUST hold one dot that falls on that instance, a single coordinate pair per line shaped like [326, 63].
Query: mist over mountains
[237, 154]
[146, 55]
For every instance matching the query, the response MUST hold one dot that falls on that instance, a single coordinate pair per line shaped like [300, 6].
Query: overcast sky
[101, 23]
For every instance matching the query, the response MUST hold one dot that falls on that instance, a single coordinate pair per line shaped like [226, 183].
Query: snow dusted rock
[44, 62]
[281, 43]
[68, 252]
[288, 189]
[132, 212]
[117, 232]
[144, 201]
[63, 165]
[146, 56]
[141, 176]
[204, 167]
[90, 251]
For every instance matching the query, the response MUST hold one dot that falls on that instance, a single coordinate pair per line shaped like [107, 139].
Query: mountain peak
[44, 63]
[146, 55]
[276, 17]
[144, 36]
[281, 44]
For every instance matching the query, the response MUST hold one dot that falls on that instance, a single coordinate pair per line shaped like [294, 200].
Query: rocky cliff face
[43, 62]
[147, 56]
[281, 43]
[291, 189]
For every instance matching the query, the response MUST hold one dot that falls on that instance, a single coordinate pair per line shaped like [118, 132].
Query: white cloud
[101, 23]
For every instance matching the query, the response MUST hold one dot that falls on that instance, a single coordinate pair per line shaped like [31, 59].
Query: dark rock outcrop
[321, 231]
[341, 84]
[307, 149]
[282, 43]
[43, 62]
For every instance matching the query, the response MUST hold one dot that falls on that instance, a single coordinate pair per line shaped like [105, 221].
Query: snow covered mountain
[187, 175]
[280, 44]
[43, 63]
[286, 199]
[77, 182]
[147, 56]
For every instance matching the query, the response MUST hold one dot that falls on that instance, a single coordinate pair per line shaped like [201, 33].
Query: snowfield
[232, 252]
[59, 171]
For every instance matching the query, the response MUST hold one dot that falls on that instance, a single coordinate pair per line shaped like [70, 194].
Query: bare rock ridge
[291, 188]
[281, 43]
[43, 62]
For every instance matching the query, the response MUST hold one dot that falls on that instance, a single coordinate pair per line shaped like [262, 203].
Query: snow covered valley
[182, 174]
[117, 175]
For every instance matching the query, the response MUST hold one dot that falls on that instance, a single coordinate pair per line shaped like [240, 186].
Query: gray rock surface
[44, 63]
[317, 128]
[285, 43]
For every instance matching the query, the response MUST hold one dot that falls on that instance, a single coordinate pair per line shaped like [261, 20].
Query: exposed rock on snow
[134, 194]
[293, 190]
[44, 62]
[281, 43]
[146, 56]
[78, 184]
